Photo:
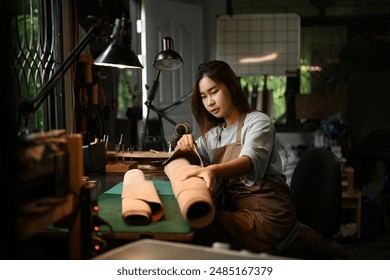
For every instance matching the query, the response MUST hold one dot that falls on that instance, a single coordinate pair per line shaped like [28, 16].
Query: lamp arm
[178, 102]
[162, 114]
[153, 91]
[28, 107]
[45, 91]
[148, 103]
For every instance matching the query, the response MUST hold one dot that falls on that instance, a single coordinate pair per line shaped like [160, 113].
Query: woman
[238, 145]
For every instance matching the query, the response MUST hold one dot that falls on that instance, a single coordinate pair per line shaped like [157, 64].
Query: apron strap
[239, 128]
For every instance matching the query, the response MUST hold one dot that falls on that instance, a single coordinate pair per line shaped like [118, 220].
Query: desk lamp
[166, 60]
[118, 54]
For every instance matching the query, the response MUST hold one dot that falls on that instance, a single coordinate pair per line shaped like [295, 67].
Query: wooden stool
[351, 198]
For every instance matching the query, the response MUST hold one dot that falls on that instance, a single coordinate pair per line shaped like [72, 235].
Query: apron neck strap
[239, 128]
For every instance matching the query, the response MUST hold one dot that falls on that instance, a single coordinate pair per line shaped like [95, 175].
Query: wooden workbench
[145, 160]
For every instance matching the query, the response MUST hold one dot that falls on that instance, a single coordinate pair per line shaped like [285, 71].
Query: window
[37, 51]
[259, 48]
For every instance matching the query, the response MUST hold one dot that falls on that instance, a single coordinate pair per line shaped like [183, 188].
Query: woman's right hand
[186, 142]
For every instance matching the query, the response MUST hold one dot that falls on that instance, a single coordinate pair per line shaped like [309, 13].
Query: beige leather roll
[140, 201]
[192, 195]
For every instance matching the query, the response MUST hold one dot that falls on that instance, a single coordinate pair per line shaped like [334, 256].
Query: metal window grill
[36, 53]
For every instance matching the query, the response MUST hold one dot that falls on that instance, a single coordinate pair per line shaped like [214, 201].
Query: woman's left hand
[206, 173]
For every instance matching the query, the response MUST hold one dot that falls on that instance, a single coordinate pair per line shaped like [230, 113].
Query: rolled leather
[141, 203]
[192, 195]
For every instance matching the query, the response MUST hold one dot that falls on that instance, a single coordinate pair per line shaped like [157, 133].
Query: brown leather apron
[256, 218]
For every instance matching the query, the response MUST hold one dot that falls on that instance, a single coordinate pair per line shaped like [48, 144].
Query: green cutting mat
[110, 209]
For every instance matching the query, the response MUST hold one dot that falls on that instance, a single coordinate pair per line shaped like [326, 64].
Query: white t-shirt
[258, 142]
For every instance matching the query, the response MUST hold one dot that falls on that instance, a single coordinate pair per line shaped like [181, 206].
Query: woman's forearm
[233, 168]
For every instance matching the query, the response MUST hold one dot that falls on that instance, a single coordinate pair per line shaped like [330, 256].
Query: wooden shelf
[37, 215]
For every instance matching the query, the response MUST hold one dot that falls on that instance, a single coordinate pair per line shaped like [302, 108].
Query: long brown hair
[223, 75]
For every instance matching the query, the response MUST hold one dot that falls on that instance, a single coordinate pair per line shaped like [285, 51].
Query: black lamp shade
[167, 59]
[119, 53]
[119, 56]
